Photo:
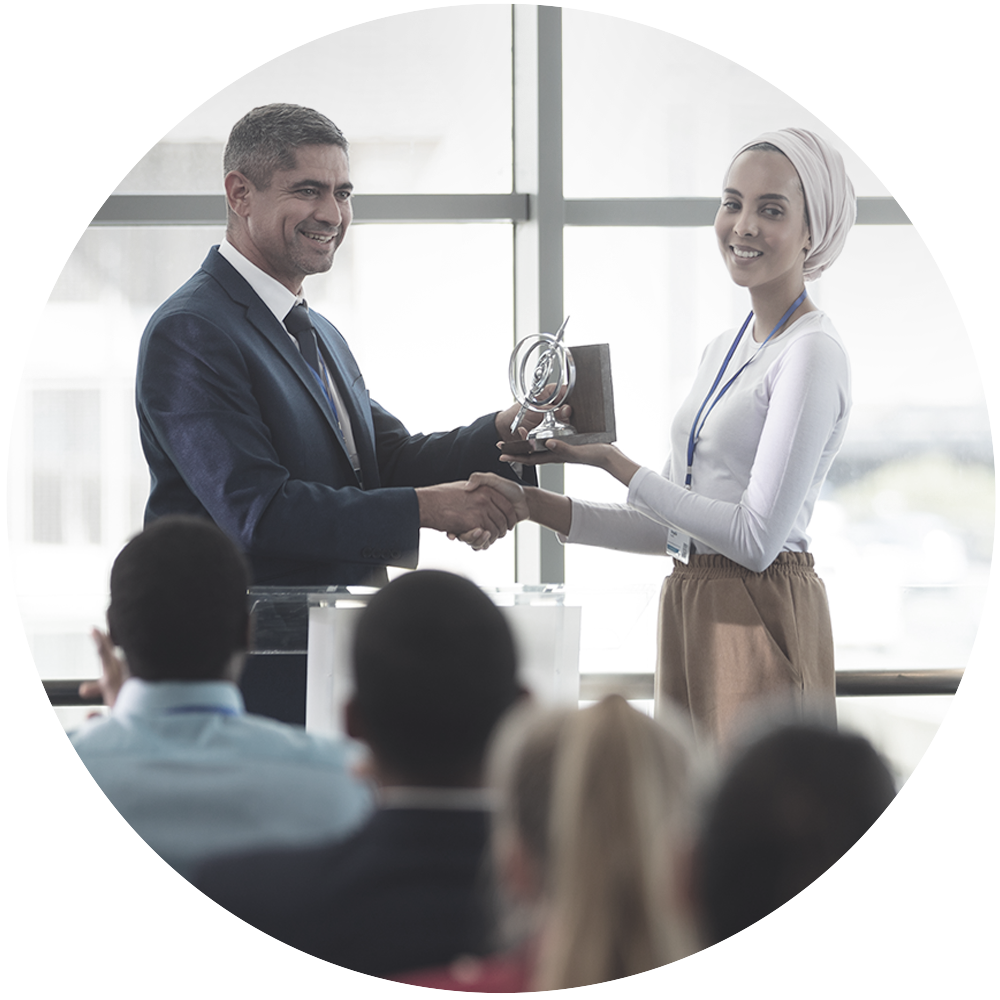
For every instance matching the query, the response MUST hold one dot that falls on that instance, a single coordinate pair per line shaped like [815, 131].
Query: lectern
[320, 623]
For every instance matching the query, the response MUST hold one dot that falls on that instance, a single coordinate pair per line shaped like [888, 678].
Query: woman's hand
[601, 456]
[511, 491]
[559, 451]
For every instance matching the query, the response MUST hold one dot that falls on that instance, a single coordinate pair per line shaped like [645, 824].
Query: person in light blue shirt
[178, 756]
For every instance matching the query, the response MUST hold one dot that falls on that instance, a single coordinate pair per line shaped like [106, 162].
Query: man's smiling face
[293, 226]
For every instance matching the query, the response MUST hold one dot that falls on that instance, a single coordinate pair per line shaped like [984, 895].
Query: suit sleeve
[427, 459]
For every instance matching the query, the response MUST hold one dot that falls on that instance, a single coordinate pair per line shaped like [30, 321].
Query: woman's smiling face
[761, 224]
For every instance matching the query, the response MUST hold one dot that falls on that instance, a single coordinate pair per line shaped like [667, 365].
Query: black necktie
[298, 324]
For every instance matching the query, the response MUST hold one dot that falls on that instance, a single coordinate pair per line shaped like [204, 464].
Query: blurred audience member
[790, 805]
[177, 755]
[519, 773]
[434, 669]
[591, 843]
[620, 832]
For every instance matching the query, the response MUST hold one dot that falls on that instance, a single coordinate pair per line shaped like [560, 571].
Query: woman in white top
[743, 615]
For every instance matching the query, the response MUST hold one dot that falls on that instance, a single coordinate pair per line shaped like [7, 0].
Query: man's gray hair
[265, 139]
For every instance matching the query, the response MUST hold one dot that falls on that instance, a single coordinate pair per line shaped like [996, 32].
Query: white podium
[546, 631]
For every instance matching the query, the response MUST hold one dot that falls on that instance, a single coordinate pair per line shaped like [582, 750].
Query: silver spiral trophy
[542, 375]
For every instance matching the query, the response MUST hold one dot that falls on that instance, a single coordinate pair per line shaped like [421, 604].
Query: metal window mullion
[872, 211]
[210, 209]
[538, 241]
[543, 203]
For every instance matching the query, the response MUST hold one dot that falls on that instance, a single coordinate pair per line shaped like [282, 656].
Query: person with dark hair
[253, 411]
[434, 669]
[789, 806]
[178, 756]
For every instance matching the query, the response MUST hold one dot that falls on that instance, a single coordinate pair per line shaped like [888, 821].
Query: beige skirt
[733, 643]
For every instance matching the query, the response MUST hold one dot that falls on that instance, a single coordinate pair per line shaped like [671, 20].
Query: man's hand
[514, 492]
[456, 510]
[529, 421]
[113, 671]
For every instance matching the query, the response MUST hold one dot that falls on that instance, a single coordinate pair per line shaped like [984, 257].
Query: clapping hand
[114, 671]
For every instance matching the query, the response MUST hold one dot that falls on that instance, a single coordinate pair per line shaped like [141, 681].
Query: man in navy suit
[317, 482]
[434, 670]
[252, 409]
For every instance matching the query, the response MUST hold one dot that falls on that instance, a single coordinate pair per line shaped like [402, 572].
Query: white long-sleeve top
[761, 458]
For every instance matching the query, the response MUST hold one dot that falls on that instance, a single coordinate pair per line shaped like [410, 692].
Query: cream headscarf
[829, 194]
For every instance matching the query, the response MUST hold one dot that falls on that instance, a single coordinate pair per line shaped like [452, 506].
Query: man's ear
[239, 191]
[234, 667]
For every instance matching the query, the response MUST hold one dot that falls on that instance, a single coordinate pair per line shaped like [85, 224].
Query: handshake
[478, 511]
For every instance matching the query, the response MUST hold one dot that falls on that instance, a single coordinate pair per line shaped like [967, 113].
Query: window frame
[536, 208]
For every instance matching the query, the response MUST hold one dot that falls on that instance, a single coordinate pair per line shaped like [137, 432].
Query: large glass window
[648, 114]
[423, 98]
[903, 532]
[66, 479]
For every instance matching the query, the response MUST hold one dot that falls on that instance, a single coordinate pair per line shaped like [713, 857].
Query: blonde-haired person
[620, 828]
[743, 616]
[591, 849]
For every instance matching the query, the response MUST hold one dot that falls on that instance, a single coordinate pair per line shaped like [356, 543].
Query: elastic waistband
[716, 566]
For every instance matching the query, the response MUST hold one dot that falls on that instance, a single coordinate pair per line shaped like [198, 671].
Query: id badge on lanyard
[679, 542]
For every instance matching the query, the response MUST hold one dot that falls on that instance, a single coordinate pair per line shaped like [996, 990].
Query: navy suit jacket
[408, 891]
[235, 427]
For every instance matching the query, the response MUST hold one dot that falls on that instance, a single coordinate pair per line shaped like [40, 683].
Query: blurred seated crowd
[463, 836]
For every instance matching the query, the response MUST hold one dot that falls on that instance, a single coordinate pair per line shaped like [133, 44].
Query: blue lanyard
[696, 428]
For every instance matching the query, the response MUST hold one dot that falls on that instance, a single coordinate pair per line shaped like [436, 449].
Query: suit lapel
[274, 332]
